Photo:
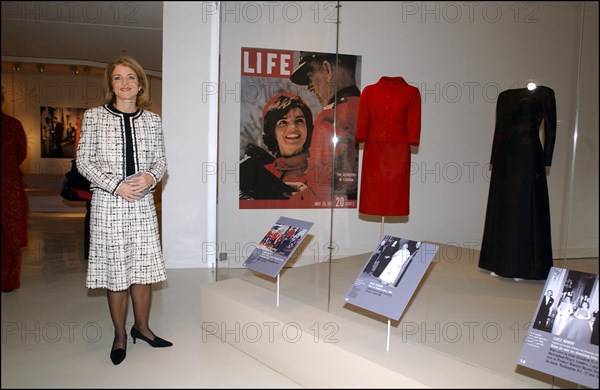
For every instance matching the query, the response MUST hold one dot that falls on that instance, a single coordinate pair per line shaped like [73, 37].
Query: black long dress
[517, 238]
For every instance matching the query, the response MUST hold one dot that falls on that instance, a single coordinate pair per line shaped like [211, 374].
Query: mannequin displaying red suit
[389, 122]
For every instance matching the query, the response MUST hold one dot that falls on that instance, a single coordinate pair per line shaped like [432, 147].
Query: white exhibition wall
[190, 69]
[460, 56]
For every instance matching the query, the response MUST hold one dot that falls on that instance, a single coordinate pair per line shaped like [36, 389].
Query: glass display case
[460, 58]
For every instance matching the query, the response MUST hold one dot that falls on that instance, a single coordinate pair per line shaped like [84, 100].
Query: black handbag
[75, 187]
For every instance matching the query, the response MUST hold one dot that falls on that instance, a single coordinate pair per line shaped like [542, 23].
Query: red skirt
[385, 179]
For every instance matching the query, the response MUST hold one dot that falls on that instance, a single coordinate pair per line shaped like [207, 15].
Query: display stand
[389, 326]
[387, 346]
[389, 322]
[390, 276]
[277, 290]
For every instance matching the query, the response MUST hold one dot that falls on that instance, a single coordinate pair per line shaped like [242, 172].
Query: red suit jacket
[389, 121]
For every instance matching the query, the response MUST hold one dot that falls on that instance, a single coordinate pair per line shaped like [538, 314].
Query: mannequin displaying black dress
[517, 238]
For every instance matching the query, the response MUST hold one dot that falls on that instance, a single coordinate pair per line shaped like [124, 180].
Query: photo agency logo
[270, 332]
[50, 332]
[102, 12]
[222, 172]
[469, 12]
[424, 172]
[454, 252]
[30, 95]
[51, 250]
[458, 91]
[454, 332]
[270, 12]
[453, 92]
[463, 91]
[235, 92]
[450, 172]
[236, 253]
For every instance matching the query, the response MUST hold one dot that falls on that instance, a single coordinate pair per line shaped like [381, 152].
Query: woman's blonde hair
[143, 96]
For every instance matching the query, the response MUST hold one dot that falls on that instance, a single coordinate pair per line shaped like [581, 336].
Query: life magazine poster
[391, 275]
[277, 246]
[287, 156]
[563, 337]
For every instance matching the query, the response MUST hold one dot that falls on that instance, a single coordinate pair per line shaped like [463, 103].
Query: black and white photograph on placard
[388, 280]
[563, 336]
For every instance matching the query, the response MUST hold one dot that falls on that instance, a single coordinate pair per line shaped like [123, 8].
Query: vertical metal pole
[214, 136]
[387, 347]
[334, 141]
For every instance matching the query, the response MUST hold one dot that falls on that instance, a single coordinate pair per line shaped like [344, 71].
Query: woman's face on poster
[291, 132]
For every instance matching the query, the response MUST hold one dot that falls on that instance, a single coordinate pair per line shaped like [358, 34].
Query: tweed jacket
[101, 151]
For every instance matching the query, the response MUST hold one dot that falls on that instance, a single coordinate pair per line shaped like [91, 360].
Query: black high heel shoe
[156, 343]
[117, 355]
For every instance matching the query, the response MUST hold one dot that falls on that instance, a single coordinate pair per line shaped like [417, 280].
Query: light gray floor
[58, 334]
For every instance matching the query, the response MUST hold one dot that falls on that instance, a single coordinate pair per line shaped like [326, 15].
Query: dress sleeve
[87, 155]
[414, 118]
[549, 126]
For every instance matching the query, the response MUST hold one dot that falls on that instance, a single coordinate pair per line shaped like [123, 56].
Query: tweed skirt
[125, 245]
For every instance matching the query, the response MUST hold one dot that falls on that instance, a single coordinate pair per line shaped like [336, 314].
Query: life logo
[267, 62]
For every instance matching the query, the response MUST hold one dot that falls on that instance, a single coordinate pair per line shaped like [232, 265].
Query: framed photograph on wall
[59, 129]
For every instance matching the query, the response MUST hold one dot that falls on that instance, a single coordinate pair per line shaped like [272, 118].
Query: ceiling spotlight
[73, 69]
[41, 68]
[86, 69]
[17, 66]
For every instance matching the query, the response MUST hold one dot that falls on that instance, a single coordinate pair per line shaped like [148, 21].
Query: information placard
[391, 275]
[277, 246]
[563, 336]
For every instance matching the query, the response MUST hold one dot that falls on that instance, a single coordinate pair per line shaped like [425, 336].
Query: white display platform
[447, 336]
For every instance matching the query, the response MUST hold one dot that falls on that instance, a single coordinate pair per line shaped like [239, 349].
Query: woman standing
[119, 139]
